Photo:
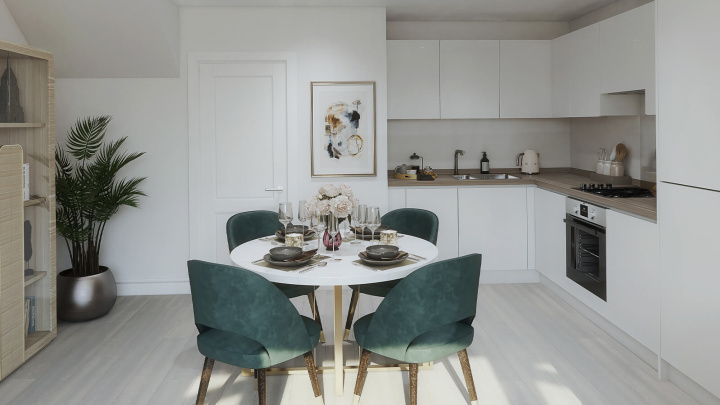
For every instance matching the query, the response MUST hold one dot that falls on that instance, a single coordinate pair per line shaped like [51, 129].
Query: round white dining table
[336, 273]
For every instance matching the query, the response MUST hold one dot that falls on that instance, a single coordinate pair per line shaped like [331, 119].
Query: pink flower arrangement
[339, 200]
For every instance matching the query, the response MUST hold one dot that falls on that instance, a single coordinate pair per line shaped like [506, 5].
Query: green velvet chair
[426, 317]
[245, 321]
[246, 226]
[410, 221]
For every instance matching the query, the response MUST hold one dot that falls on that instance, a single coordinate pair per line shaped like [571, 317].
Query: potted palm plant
[89, 193]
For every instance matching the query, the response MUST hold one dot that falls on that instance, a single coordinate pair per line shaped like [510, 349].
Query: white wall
[9, 31]
[637, 133]
[147, 248]
[502, 139]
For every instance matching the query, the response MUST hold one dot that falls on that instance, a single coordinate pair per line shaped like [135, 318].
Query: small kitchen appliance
[529, 162]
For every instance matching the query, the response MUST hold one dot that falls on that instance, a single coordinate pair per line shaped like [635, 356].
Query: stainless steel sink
[494, 176]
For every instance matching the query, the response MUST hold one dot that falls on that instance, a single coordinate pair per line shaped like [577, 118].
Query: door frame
[195, 60]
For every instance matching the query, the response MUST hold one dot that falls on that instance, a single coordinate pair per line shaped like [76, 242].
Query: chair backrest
[438, 294]
[246, 226]
[237, 300]
[413, 221]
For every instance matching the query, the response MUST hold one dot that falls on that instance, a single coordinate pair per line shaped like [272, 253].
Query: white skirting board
[509, 276]
[154, 287]
[640, 350]
[685, 383]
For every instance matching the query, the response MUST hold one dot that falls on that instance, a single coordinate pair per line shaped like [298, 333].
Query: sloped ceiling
[103, 39]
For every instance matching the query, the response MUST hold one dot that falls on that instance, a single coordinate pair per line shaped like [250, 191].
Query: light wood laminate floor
[530, 348]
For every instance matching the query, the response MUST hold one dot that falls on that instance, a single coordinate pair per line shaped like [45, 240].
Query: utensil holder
[616, 169]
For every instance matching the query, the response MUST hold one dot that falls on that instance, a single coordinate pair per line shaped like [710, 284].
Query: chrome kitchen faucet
[457, 152]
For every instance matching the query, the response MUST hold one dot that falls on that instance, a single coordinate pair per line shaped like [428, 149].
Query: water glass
[317, 223]
[373, 220]
[332, 227]
[303, 212]
[362, 219]
[285, 214]
[354, 222]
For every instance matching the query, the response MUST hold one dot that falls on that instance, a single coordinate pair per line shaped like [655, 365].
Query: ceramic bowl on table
[285, 252]
[378, 252]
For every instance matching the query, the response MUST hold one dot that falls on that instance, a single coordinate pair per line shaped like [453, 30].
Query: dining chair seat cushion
[431, 345]
[376, 289]
[292, 291]
[232, 348]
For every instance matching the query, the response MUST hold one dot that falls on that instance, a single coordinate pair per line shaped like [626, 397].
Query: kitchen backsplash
[502, 139]
[636, 132]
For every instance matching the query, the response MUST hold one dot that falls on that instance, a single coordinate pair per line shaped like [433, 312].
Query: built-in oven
[585, 245]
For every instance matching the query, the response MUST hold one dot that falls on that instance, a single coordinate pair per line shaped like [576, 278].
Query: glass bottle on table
[373, 221]
[285, 215]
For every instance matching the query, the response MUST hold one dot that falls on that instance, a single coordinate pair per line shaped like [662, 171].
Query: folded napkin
[367, 230]
[399, 255]
[304, 256]
[308, 232]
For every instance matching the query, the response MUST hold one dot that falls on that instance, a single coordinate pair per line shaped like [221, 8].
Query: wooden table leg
[338, 342]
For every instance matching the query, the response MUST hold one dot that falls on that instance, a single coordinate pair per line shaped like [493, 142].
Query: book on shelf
[31, 315]
[26, 181]
[27, 316]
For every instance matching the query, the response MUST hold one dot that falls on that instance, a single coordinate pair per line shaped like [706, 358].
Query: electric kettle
[529, 162]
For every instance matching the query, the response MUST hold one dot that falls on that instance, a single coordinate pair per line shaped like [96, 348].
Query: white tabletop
[335, 273]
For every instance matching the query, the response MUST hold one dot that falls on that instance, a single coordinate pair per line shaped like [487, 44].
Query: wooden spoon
[621, 151]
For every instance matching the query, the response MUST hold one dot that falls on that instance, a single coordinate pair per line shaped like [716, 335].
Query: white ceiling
[440, 10]
[140, 38]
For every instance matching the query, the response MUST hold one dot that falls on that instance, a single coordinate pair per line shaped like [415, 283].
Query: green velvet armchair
[246, 226]
[410, 221]
[245, 321]
[426, 317]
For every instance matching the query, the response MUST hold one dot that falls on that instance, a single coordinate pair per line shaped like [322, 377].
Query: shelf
[37, 275]
[22, 124]
[36, 341]
[34, 201]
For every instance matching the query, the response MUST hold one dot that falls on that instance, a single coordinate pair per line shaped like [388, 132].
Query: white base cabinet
[444, 203]
[550, 235]
[494, 223]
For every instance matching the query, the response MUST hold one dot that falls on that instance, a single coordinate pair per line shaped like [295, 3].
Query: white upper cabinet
[627, 53]
[469, 79]
[525, 79]
[561, 66]
[413, 79]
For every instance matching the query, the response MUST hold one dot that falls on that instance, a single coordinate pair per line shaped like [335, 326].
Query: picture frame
[343, 129]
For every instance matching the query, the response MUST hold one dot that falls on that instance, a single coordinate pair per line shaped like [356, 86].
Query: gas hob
[607, 190]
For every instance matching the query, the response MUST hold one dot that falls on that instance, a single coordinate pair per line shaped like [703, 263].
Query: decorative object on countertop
[343, 129]
[10, 109]
[88, 194]
[484, 164]
[401, 172]
[528, 161]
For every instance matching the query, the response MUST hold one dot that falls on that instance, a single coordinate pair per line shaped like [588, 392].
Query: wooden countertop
[561, 181]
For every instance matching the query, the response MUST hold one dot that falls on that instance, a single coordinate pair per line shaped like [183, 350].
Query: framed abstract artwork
[343, 129]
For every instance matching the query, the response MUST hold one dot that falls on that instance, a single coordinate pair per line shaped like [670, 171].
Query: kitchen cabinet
[469, 79]
[396, 198]
[577, 76]
[627, 53]
[443, 201]
[633, 277]
[413, 79]
[525, 79]
[689, 219]
[550, 235]
[494, 223]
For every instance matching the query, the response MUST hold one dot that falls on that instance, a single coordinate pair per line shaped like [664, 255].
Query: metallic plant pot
[85, 298]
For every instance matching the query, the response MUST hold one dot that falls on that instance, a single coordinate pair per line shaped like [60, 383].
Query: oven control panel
[585, 211]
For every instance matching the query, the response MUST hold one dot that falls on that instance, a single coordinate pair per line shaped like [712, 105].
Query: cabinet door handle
[278, 188]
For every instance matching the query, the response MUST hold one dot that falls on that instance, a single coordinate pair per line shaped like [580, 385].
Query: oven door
[585, 247]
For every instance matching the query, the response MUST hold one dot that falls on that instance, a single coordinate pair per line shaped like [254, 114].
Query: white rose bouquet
[339, 200]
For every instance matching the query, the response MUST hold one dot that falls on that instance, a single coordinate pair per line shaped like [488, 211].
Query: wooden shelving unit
[32, 142]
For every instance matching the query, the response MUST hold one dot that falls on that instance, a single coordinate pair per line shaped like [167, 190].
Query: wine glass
[317, 223]
[303, 213]
[333, 231]
[354, 216]
[362, 220]
[373, 220]
[285, 214]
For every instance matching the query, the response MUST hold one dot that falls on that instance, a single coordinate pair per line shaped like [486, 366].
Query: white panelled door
[239, 157]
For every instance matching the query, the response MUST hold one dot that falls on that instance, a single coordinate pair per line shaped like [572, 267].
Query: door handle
[278, 188]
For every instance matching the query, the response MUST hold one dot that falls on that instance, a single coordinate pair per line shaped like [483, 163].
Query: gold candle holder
[294, 239]
[389, 237]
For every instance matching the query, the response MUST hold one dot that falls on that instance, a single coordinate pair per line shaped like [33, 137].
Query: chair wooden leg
[413, 383]
[204, 380]
[316, 314]
[255, 375]
[351, 313]
[362, 373]
[465, 364]
[312, 372]
[262, 387]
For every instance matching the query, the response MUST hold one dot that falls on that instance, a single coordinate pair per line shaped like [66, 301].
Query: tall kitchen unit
[689, 190]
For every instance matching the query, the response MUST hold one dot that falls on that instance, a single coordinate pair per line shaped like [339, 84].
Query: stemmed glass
[354, 218]
[285, 214]
[303, 213]
[333, 231]
[362, 220]
[317, 223]
[373, 220]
